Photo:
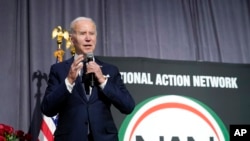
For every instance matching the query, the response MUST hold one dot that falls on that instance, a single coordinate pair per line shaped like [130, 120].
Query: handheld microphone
[90, 57]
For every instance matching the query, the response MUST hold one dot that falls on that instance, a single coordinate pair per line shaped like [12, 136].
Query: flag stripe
[41, 137]
[46, 131]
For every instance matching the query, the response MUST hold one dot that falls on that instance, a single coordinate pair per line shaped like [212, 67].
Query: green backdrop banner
[222, 87]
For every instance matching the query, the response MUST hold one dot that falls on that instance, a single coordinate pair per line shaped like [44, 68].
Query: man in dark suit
[84, 111]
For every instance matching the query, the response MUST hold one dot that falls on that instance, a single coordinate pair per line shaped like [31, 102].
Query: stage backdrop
[224, 88]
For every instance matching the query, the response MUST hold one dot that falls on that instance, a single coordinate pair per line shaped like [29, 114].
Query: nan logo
[173, 118]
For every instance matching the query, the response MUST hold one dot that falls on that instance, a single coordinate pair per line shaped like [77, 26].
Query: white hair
[72, 25]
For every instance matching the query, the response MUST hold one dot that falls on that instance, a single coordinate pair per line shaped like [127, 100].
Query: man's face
[84, 38]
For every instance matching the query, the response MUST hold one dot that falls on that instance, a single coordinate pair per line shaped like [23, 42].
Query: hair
[72, 25]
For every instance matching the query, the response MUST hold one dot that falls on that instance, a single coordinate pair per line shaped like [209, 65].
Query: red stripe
[46, 131]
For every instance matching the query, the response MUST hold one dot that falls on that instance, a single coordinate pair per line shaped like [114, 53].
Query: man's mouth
[87, 45]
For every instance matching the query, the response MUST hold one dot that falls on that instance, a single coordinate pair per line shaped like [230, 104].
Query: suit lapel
[80, 88]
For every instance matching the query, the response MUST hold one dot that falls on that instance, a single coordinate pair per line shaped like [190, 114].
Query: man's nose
[87, 37]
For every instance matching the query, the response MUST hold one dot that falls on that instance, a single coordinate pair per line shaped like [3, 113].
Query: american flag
[47, 129]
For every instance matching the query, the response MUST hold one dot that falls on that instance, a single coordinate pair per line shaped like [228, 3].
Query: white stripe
[41, 136]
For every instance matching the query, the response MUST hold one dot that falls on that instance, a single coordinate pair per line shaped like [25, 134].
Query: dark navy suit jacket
[76, 113]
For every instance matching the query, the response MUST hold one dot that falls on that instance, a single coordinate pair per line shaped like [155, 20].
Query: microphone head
[89, 57]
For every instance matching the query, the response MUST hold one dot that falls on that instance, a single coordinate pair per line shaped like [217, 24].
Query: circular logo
[172, 117]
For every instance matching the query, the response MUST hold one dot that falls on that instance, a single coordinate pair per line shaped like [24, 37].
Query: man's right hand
[75, 68]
